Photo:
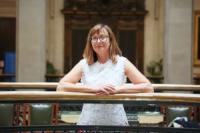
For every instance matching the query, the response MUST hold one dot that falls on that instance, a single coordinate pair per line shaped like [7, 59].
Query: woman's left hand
[106, 90]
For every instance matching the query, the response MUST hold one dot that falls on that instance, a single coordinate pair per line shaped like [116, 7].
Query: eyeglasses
[100, 38]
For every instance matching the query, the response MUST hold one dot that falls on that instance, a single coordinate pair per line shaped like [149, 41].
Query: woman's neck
[103, 58]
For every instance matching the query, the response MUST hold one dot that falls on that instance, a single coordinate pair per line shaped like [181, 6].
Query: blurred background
[41, 40]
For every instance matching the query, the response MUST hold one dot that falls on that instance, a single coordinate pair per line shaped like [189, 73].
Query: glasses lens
[100, 38]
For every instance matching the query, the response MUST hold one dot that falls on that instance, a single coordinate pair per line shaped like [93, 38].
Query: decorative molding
[8, 8]
[120, 15]
[52, 9]
[196, 46]
[123, 9]
[105, 5]
[156, 9]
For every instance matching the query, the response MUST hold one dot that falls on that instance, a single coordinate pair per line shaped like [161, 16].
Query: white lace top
[100, 74]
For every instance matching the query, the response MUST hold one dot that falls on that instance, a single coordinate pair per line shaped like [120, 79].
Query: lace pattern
[100, 74]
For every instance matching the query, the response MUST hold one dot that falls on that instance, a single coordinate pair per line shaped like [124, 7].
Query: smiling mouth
[100, 46]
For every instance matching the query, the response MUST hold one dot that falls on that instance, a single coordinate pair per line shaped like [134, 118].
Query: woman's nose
[98, 40]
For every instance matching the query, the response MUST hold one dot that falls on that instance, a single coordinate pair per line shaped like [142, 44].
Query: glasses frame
[102, 38]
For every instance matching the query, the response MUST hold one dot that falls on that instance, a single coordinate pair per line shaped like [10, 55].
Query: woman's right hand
[105, 90]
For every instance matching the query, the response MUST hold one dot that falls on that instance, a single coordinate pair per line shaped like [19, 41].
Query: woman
[103, 71]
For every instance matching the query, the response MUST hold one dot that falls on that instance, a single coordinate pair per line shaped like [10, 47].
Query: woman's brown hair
[114, 49]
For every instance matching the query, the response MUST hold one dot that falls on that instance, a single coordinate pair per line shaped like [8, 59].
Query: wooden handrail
[52, 85]
[29, 85]
[52, 96]
[44, 95]
[176, 87]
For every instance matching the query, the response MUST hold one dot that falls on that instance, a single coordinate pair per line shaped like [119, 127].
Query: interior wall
[196, 6]
[154, 34]
[55, 34]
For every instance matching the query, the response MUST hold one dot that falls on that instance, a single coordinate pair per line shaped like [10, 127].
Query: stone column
[55, 37]
[31, 40]
[178, 42]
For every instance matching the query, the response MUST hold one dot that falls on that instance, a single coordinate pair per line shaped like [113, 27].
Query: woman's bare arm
[140, 83]
[69, 81]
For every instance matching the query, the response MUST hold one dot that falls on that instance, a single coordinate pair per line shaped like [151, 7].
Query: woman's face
[100, 41]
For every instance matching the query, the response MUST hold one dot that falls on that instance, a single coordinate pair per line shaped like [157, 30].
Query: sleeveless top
[101, 74]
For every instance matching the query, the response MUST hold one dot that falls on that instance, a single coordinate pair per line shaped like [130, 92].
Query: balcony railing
[52, 86]
[21, 98]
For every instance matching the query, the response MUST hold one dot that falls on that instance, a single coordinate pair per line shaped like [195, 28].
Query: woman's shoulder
[124, 61]
[83, 62]
[121, 58]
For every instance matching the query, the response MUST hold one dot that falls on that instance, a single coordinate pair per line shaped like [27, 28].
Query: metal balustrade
[20, 98]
